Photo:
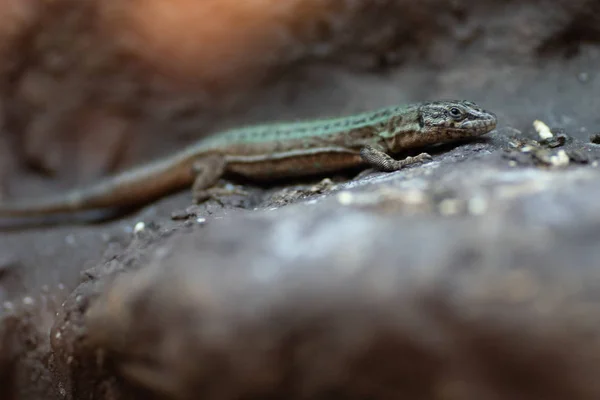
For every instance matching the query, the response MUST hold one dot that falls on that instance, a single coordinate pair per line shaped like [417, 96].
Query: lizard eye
[456, 113]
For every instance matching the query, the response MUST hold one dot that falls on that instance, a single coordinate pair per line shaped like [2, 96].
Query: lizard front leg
[381, 161]
[208, 170]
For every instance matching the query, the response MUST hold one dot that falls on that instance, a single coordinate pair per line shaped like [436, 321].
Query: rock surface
[472, 276]
[453, 280]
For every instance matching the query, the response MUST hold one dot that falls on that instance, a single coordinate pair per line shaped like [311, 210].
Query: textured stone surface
[455, 280]
[469, 277]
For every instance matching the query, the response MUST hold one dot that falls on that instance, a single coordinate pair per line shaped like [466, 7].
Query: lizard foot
[383, 162]
[422, 157]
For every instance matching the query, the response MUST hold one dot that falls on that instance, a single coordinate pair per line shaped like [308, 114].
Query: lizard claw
[423, 157]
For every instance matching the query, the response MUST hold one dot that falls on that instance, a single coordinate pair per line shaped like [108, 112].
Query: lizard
[274, 151]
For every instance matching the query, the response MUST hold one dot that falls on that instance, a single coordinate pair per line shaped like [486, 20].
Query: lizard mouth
[481, 126]
[465, 130]
[477, 127]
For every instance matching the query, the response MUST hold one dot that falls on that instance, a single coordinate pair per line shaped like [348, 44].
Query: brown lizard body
[275, 151]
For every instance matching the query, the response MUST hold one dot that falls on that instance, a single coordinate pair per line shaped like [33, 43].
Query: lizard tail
[128, 189]
[39, 207]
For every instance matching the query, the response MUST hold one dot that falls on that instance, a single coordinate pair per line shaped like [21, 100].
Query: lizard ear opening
[420, 119]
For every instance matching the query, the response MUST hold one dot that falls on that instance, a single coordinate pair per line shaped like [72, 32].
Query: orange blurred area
[69, 64]
[64, 61]
[213, 41]
[206, 41]
[15, 16]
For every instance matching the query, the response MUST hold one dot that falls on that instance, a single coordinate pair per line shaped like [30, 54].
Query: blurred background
[92, 87]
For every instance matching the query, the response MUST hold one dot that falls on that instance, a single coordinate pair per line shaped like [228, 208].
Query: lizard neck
[403, 130]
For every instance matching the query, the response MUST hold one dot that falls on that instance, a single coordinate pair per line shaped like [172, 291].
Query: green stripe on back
[301, 129]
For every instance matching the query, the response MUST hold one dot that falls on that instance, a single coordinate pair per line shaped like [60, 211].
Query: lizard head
[455, 119]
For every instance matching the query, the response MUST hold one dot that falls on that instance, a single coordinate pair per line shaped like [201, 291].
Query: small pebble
[542, 129]
[595, 138]
[560, 159]
[477, 205]
[140, 226]
[449, 207]
[345, 198]
[414, 197]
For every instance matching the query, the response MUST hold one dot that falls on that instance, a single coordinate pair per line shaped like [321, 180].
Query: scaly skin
[280, 150]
